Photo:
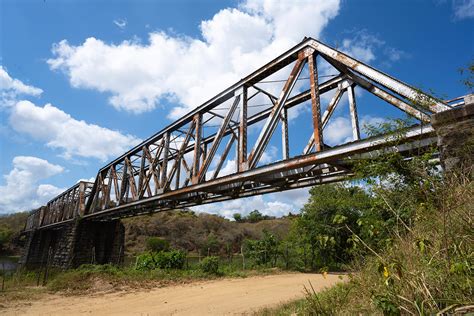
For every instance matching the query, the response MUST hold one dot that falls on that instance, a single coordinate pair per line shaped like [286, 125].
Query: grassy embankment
[427, 270]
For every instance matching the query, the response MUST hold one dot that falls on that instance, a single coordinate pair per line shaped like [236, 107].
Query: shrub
[210, 265]
[174, 259]
[5, 235]
[156, 244]
[145, 261]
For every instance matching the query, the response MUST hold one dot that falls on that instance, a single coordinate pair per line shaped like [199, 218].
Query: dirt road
[220, 297]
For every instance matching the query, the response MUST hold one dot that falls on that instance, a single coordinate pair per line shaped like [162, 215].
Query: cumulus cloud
[235, 41]
[463, 9]
[365, 46]
[277, 204]
[74, 137]
[11, 89]
[21, 190]
[339, 129]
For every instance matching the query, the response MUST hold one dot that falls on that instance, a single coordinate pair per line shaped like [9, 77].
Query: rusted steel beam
[270, 124]
[272, 98]
[164, 163]
[242, 135]
[315, 102]
[326, 116]
[391, 83]
[218, 138]
[387, 97]
[131, 179]
[353, 111]
[285, 147]
[223, 157]
[197, 147]
[142, 170]
[177, 163]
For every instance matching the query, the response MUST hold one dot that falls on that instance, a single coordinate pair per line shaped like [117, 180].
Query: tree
[156, 244]
[255, 216]
[264, 250]
[5, 235]
[322, 224]
[238, 217]
[211, 245]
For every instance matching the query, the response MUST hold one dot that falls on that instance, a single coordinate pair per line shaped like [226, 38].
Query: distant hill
[186, 230]
[10, 227]
[198, 232]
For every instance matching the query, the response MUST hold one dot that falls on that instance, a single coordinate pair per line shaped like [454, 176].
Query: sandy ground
[220, 297]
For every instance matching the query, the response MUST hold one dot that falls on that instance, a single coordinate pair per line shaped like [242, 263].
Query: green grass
[426, 271]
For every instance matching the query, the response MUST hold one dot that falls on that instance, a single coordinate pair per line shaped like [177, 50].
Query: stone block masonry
[75, 243]
[455, 130]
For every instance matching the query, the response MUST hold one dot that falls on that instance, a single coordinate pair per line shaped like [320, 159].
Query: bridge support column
[75, 243]
[100, 243]
[455, 130]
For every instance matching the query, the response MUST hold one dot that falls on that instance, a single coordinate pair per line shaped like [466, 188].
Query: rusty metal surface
[183, 165]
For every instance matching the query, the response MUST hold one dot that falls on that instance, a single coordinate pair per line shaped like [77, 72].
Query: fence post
[3, 276]
[46, 272]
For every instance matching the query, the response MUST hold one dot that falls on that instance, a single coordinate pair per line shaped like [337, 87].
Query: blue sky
[83, 81]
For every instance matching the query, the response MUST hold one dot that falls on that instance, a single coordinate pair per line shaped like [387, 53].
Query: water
[8, 264]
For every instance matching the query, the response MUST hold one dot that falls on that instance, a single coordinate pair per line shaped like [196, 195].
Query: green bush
[210, 265]
[145, 261]
[5, 235]
[264, 251]
[174, 259]
[156, 244]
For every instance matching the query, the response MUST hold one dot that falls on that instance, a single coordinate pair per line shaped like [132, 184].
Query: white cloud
[11, 89]
[362, 46]
[187, 70]
[21, 190]
[339, 129]
[121, 23]
[275, 204]
[366, 46]
[91, 179]
[463, 9]
[73, 137]
[47, 191]
[395, 54]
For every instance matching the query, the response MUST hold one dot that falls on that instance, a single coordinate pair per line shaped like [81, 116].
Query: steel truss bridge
[218, 151]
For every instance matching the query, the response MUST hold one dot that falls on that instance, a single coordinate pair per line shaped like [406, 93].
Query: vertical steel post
[353, 110]
[315, 102]
[242, 144]
[284, 134]
[142, 170]
[197, 147]
[164, 164]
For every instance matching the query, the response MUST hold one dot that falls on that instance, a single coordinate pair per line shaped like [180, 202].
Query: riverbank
[212, 297]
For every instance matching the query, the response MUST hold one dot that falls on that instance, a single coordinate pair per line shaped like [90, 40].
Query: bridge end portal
[58, 236]
[455, 131]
